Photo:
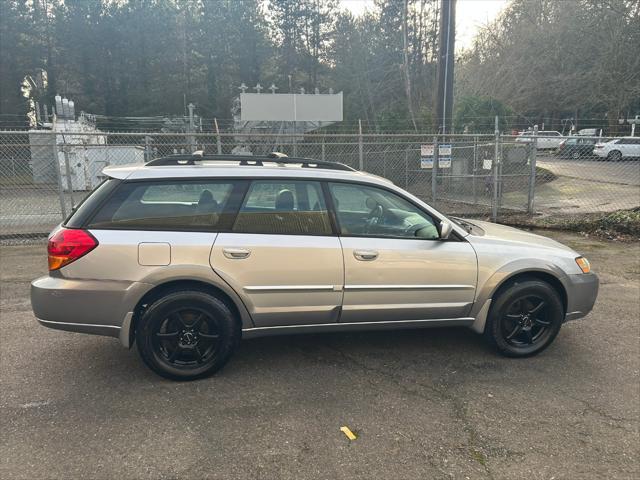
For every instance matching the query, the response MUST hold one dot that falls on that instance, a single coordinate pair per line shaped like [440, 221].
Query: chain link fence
[44, 174]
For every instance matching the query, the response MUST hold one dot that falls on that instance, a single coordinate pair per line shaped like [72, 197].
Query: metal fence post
[406, 168]
[496, 160]
[532, 178]
[218, 142]
[322, 156]
[475, 170]
[67, 169]
[360, 147]
[434, 170]
[294, 140]
[56, 162]
[191, 138]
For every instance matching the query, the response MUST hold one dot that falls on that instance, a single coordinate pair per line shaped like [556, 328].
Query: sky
[470, 15]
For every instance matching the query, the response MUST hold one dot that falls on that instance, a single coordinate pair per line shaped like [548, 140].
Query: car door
[542, 141]
[396, 266]
[281, 255]
[629, 147]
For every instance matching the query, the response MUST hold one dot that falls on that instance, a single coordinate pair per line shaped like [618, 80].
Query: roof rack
[246, 160]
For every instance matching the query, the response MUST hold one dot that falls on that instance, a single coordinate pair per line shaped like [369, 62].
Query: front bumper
[582, 291]
[98, 307]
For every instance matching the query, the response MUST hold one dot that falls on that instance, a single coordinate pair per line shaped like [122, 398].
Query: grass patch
[479, 457]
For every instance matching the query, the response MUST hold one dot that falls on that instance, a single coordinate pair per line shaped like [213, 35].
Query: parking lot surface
[423, 404]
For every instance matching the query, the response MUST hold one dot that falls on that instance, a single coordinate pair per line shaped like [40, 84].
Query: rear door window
[171, 205]
[284, 207]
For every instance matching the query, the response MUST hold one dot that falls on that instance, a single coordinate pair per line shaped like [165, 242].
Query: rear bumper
[98, 307]
[582, 291]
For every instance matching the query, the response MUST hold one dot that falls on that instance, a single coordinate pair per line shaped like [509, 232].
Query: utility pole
[446, 60]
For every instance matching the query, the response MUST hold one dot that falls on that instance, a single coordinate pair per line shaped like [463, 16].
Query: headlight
[584, 264]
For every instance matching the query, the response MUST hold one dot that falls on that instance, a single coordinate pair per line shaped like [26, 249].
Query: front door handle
[365, 255]
[236, 253]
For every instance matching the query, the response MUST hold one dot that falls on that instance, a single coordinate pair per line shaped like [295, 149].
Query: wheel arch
[235, 304]
[544, 276]
[503, 279]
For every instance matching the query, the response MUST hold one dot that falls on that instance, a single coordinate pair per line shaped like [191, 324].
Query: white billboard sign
[291, 107]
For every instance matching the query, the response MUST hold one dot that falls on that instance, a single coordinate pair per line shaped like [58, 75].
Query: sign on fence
[426, 162]
[444, 150]
[426, 155]
[444, 155]
[426, 150]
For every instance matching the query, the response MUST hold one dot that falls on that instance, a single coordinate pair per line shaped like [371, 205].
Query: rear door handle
[365, 255]
[236, 253]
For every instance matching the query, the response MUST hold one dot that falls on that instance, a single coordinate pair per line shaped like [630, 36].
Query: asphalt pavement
[426, 404]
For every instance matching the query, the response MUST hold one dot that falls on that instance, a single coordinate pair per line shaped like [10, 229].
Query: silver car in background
[186, 255]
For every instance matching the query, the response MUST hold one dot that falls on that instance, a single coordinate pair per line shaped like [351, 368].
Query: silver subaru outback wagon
[186, 255]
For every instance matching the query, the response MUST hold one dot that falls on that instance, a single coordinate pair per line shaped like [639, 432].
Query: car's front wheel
[186, 335]
[524, 318]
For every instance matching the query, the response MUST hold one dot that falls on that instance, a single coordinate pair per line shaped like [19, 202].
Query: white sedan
[546, 139]
[618, 148]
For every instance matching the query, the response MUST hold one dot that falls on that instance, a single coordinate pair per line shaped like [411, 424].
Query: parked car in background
[618, 148]
[576, 147]
[186, 255]
[590, 132]
[546, 139]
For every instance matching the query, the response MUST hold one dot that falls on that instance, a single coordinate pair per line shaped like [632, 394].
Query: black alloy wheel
[524, 318]
[525, 321]
[185, 335]
[186, 338]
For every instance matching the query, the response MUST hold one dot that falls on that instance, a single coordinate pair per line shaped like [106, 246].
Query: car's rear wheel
[524, 318]
[614, 156]
[186, 335]
[575, 155]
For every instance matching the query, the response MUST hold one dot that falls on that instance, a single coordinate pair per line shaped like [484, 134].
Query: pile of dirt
[621, 225]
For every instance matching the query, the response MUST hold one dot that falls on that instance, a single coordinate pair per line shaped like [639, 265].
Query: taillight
[67, 245]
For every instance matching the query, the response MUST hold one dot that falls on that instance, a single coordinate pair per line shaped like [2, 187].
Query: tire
[186, 335]
[614, 156]
[511, 332]
[575, 155]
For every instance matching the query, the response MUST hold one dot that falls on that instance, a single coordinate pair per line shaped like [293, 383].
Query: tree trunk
[407, 74]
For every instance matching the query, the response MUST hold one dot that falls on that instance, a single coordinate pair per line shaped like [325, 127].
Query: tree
[477, 115]
[549, 59]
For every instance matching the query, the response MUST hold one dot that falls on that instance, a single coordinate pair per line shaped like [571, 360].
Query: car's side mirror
[445, 229]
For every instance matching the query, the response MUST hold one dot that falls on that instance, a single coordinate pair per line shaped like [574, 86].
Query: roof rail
[246, 160]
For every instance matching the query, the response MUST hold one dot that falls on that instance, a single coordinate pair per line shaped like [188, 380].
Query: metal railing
[44, 174]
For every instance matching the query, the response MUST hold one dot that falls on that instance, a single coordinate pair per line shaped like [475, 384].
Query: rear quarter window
[85, 209]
